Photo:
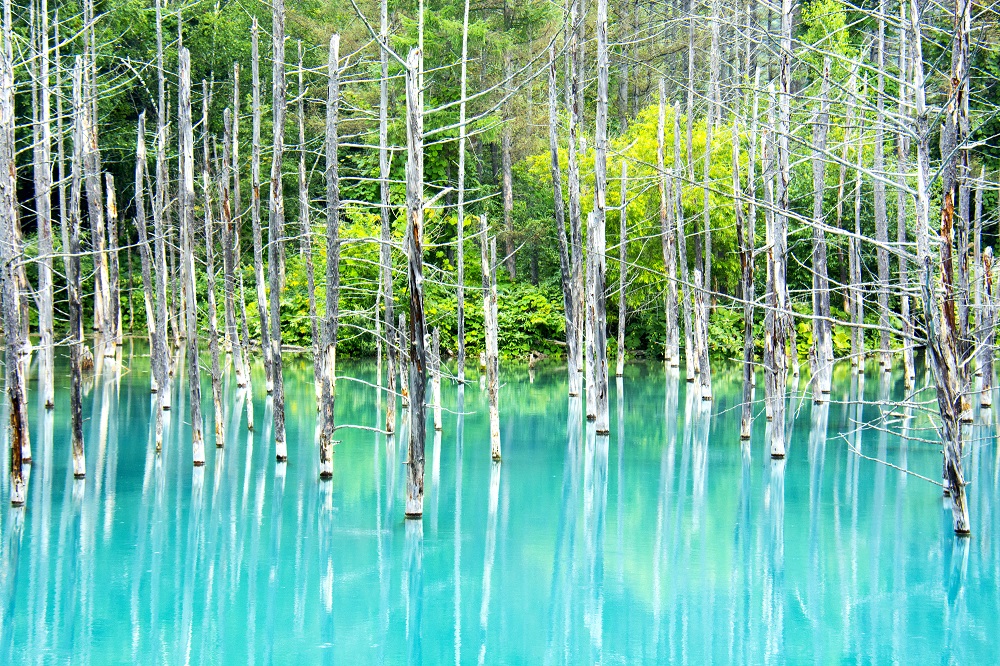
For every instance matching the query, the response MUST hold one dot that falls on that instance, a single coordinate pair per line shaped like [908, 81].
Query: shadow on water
[668, 541]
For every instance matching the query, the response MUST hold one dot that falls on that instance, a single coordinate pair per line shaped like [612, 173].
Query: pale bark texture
[305, 238]
[256, 232]
[488, 260]
[622, 269]
[597, 308]
[213, 318]
[675, 183]
[329, 351]
[73, 278]
[822, 353]
[745, 240]
[393, 351]
[671, 351]
[460, 221]
[276, 223]
[902, 199]
[881, 214]
[415, 274]
[186, 207]
[507, 176]
[230, 258]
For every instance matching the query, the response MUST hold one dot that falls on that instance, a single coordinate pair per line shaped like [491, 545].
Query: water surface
[667, 541]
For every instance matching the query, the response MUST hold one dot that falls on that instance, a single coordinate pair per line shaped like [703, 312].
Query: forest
[779, 185]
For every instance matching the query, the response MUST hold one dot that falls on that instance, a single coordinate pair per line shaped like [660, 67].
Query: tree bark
[230, 259]
[902, 158]
[43, 213]
[73, 277]
[622, 269]
[328, 379]
[989, 324]
[213, 319]
[305, 240]
[822, 328]
[598, 280]
[256, 232]
[393, 351]
[186, 206]
[435, 362]
[415, 278]
[488, 261]
[460, 223]
[508, 187]
[676, 181]
[671, 353]
[881, 215]
[745, 240]
[276, 223]
[574, 102]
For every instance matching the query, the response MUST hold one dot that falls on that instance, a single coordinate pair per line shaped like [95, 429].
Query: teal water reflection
[667, 541]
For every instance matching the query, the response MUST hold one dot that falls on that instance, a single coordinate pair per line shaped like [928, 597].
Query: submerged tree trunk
[393, 351]
[415, 275]
[488, 260]
[622, 269]
[671, 350]
[329, 352]
[230, 259]
[822, 355]
[435, 362]
[574, 102]
[213, 319]
[597, 306]
[186, 206]
[276, 223]
[902, 158]
[881, 214]
[305, 241]
[43, 213]
[9, 258]
[256, 232]
[560, 219]
[157, 355]
[745, 240]
[508, 185]
[676, 180]
[73, 277]
[460, 222]
[114, 292]
[989, 324]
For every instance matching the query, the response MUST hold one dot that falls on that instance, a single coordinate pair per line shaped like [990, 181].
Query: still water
[667, 541]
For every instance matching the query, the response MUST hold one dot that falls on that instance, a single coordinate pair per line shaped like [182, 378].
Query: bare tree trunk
[574, 103]
[881, 215]
[560, 219]
[393, 352]
[73, 277]
[329, 353]
[488, 261]
[857, 299]
[157, 355]
[161, 226]
[305, 241]
[230, 259]
[9, 257]
[671, 353]
[186, 151]
[276, 223]
[213, 320]
[598, 311]
[256, 233]
[622, 269]
[941, 325]
[415, 229]
[745, 240]
[822, 329]
[435, 361]
[508, 187]
[989, 324]
[460, 224]
[902, 158]
[852, 88]
[676, 179]
[43, 213]
[114, 292]
[977, 269]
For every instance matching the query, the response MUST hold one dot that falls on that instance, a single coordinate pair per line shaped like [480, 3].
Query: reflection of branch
[889, 464]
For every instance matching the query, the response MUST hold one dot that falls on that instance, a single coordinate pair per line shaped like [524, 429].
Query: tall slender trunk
[276, 222]
[305, 240]
[598, 309]
[881, 214]
[941, 325]
[10, 252]
[857, 299]
[435, 363]
[393, 352]
[161, 223]
[622, 269]
[676, 182]
[230, 259]
[157, 355]
[329, 352]
[977, 270]
[43, 213]
[73, 277]
[460, 222]
[574, 103]
[114, 290]
[507, 176]
[822, 328]
[989, 325]
[186, 207]
[213, 320]
[560, 216]
[488, 259]
[902, 159]
[415, 275]
[745, 240]
[671, 347]
[255, 231]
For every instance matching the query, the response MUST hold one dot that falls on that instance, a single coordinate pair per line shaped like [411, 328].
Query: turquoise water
[667, 541]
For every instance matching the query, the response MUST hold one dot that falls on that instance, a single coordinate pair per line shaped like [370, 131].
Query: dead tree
[574, 104]
[676, 180]
[256, 232]
[43, 213]
[394, 354]
[415, 278]
[488, 260]
[881, 215]
[822, 353]
[213, 320]
[902, 197]
[505, 167]
[230, 258]
[745, 240]
[460, 222]
[276, 222]
[329, 352]
[186, 207]
[989, 324]
[73, 277]
[435, 363]
[569, 309]
[597, 305]
[671, 351]
[622, 270]
[9, 258]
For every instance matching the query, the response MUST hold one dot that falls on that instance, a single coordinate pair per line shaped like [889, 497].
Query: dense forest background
[508, 78]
